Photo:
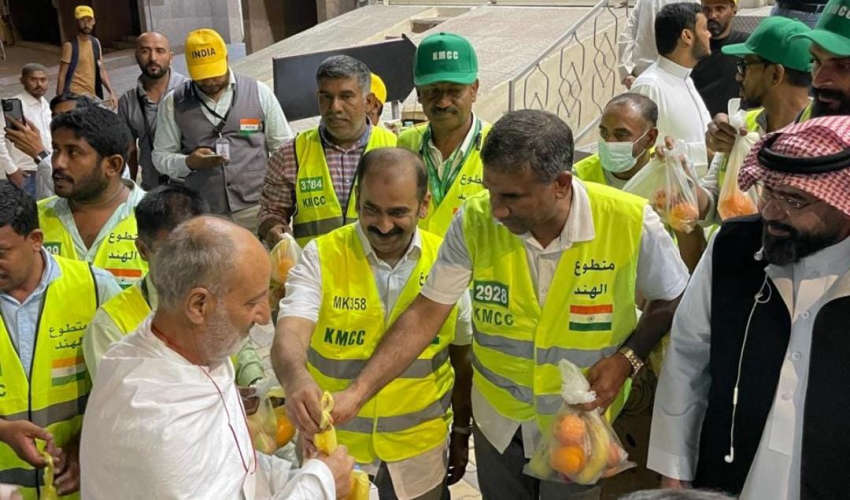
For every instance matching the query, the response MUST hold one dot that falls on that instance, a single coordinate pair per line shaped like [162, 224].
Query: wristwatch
[632, 358]
[41, 156]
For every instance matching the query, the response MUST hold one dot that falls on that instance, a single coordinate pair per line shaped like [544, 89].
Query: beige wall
[327, 9]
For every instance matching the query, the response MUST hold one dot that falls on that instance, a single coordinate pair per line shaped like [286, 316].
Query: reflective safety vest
[54, 394]
[468, 182]
[590, 170]
[129, 308]
[588, 313]
[116, 252]
[317, 209]
[411, 414]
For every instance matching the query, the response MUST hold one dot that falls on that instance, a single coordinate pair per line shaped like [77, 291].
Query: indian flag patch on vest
[67, 370]
[249, 125]
[591, 318]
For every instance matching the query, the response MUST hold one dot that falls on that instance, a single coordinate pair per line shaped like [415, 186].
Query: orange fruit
[571, 429]
[285, 430]
[736, 205]
[568, 460]
[659, 199]
[682, 216]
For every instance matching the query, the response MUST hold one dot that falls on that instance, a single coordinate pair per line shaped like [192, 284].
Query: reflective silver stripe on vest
[516, 348]
[60, 411]
[316, 227]
[520, 393]
[349, 369]
[53, 413]
[579, 357]
[549, 404]
[27, 478]
[400, 423]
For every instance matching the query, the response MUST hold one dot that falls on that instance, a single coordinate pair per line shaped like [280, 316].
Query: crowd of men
[444, 272]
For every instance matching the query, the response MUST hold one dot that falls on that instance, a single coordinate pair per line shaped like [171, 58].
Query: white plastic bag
[731, 201]
[283, 257]
[581, 446]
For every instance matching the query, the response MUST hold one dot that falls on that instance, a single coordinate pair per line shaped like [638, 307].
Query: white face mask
[616, 157]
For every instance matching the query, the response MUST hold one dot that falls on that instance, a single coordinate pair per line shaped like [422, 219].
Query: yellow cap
[378, 88]
[83, 11]
[206, 54]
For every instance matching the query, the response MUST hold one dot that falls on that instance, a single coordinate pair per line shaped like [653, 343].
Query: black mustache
[830, 94]
[782, 227]
[393, 232]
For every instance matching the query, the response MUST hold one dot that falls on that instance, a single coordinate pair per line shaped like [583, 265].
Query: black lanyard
[142, 105]
[218, 128]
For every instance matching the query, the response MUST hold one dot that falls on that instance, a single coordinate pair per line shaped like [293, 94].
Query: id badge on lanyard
[222, 148]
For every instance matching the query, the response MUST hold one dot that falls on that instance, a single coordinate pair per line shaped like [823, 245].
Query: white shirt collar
[414, 250]
[578, 227]
[30, 101]
[672, 68]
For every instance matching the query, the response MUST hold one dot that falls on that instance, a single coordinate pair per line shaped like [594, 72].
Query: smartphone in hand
[13, 108]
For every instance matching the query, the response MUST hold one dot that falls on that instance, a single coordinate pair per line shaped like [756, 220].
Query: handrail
[570, 79]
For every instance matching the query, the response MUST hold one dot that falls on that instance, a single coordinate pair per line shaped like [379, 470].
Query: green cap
[832, 32]
[776, 39]
[445, 57]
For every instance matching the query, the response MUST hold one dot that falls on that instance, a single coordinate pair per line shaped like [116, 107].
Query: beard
[88, 187]
[699, 52]
[750, 102]
[820, 108]
[223, 338]
[154, 71]
[715, 28]
[783, 250]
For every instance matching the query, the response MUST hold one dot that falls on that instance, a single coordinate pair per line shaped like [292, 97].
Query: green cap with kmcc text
[445, 57]
[776, 39]
[832, 32]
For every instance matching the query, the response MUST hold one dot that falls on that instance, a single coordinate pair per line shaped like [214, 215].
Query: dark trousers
[500, 475]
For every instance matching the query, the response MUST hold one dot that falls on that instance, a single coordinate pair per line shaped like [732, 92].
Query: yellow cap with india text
[206, 54]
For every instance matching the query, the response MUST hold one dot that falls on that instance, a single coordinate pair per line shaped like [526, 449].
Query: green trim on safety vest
[54, 394]
[117, 252]
[588, 313]
[468, 182]
[128, 309]
[411, 414]
[318, 210]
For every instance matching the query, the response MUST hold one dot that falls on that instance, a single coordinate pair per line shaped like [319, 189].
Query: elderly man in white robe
[165, 419]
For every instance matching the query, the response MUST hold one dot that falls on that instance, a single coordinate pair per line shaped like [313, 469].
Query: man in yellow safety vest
[91, 218]
[445, 73]
[348, 287]
[553, 265]
[46, 302]
[308, 187]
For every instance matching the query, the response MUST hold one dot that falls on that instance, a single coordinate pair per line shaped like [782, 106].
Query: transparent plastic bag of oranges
[283, 257]
[581, 446]
[731, 201]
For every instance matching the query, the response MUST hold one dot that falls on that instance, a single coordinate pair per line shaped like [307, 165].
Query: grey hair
[31, 68]
[191, 258]
[529, 139]
[342, 66]
[671, 494]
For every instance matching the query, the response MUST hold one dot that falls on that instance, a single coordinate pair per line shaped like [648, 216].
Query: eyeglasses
[743, 63]
[789, 203]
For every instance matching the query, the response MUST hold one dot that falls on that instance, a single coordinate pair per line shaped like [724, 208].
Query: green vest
[411, 414]
[588, 313]
[54, 394]
[117, 252]
[467, 183]
[318, 210]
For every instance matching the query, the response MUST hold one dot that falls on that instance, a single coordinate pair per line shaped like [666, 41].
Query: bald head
[153, 54]
[202, 253]
[393, 162]
[644, 106]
